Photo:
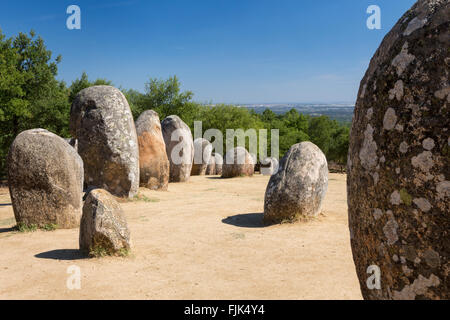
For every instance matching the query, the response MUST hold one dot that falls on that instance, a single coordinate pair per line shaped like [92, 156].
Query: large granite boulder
[153, 162]
[101, 120]
[202, 155]
[179, 148]
[218, 163]
[299, 186]
[45, 177]
[103, 228]
[398, 166]
[211, 168]
[237, 163]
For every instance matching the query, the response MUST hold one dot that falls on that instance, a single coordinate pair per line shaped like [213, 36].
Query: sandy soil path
[200, 240]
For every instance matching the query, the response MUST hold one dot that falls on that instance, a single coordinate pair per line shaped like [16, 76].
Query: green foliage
[83, 83]
[31, 97]
[23, 227]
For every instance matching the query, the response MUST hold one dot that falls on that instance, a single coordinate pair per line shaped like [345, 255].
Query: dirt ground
[200, 240]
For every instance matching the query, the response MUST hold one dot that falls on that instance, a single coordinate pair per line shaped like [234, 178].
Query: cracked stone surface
[101, 120]
[399, 208]
[45, 176]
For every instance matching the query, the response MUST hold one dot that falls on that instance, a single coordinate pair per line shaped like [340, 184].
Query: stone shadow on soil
[62, 254]
[246, 220]
[4, 230]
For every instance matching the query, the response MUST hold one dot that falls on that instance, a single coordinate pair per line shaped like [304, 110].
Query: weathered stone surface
[103, 225]
[202, 155]
[238, 162]
[219, 163]
[399, 158]
[153, 162]
[101, 120]
[211, 168]
[299, 186]
[45, 177]
[179, 148]
[269, 166]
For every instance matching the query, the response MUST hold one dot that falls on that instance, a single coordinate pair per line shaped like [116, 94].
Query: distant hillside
[340, 112]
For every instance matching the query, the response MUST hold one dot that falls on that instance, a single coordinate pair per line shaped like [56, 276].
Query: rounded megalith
[45, 177]
[101, 120]
[202, 155]
[179, 148]
[237, 163]
[299, 186]
[153, 162]
[269, 166]
[103, 227]
[218, 163]
[211, 168]
[398, 164]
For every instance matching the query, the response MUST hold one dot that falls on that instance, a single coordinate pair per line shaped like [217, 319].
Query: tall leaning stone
[45, 177]
[101, 120]
[179, 148]
[299, 186]
[153, 162]
[202, 156]
[398, 167]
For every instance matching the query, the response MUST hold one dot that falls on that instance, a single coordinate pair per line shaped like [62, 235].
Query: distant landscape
[340, 112]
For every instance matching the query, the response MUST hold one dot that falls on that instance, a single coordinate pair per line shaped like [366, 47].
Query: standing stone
[238, 163]
[153, 162]
[398, 181]
[179, 148]
[211, 168]
[103, 227]
[202, 155]
[299, 187]
[45, 177]
[101, 120]
[219, 163]
[269, 166]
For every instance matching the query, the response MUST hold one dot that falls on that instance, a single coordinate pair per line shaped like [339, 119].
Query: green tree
[30, 96]
[83, 83]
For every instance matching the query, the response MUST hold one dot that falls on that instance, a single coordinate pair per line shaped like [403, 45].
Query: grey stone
[202, 155]
[179, 148]
[101, 120]
[299, 187]
[405, 87]
[238, 162]
[103, 225]
[45, 177]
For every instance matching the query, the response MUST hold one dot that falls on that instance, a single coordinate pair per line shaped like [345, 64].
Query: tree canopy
[32, 97]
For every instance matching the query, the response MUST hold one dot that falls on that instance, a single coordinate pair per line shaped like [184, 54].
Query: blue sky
[232, 51]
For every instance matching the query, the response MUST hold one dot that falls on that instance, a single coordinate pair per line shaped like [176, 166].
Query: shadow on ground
[62, 254]
[4, 230]
[247, 220]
